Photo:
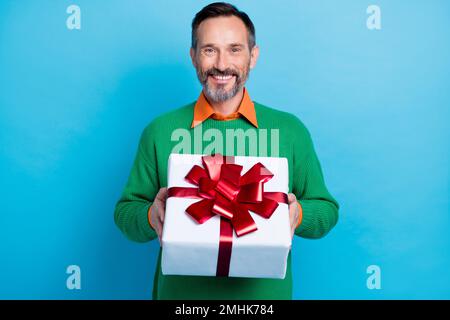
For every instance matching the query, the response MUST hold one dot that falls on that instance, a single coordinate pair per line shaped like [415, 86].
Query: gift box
[226, 216]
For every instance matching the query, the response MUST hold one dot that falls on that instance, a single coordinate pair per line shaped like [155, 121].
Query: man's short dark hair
[222, 9]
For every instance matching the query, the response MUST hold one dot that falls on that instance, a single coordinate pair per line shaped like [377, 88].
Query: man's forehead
[222, 30]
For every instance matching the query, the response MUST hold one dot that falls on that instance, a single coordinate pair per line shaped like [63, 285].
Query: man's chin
[219, 95]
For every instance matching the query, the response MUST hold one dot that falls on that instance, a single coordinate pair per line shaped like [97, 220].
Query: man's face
[222, 57]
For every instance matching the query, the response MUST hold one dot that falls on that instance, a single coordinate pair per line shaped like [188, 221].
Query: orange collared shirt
[203, 110]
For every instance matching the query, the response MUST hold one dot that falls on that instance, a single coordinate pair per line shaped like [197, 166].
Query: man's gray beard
[221, 95]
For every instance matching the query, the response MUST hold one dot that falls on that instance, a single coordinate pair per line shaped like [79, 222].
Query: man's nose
[221, 61]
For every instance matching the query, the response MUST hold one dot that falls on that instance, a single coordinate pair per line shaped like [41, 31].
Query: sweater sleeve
[131, 212]
[320, 209]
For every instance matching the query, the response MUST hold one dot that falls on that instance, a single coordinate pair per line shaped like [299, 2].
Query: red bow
[226, 193]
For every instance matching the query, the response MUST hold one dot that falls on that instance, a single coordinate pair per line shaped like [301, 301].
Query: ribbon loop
[201, 211]
[206, 188]
[223, 207]
[213, 164]
[257, 173]
[252, 192]
[195, 174]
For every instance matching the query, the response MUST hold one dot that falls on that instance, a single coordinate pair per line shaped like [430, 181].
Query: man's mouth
[221, 79]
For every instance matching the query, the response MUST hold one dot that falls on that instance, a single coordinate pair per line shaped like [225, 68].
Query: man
[223, 52]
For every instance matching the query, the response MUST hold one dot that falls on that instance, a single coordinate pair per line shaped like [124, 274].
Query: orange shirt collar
[203, 110]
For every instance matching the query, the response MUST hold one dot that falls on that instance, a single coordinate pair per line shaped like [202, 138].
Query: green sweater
[149, 173]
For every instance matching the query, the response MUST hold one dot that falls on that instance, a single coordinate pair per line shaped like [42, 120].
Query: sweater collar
[203, 110]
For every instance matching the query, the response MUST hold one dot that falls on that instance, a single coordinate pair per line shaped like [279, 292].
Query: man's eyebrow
[230, 45]
[207, 45]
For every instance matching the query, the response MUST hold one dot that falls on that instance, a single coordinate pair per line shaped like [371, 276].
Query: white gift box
[190, 248]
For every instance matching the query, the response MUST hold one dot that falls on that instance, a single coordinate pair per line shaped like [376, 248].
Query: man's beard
[219, 93]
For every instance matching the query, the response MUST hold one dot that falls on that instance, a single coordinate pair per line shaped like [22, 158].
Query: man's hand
[157, 212]
[294, 212]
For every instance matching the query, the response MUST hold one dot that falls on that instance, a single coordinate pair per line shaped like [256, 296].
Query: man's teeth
[222, 77]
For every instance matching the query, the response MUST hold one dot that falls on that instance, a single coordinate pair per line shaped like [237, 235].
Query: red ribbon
[226, 193]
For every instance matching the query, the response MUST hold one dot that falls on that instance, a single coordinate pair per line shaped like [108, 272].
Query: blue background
[74, 102]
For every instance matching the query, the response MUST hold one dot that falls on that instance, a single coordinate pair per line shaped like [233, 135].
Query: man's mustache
[223, 73]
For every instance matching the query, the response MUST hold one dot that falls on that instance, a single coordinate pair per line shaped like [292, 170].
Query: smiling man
[223, 52]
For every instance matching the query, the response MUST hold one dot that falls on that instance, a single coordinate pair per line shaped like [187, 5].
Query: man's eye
[235, 49]
[208, 51]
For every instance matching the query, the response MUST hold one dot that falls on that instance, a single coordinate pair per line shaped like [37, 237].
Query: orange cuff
[149, 215]
[300, 215]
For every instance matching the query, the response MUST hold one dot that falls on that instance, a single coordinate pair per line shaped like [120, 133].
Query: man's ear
[254, 54]
[192, 54]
